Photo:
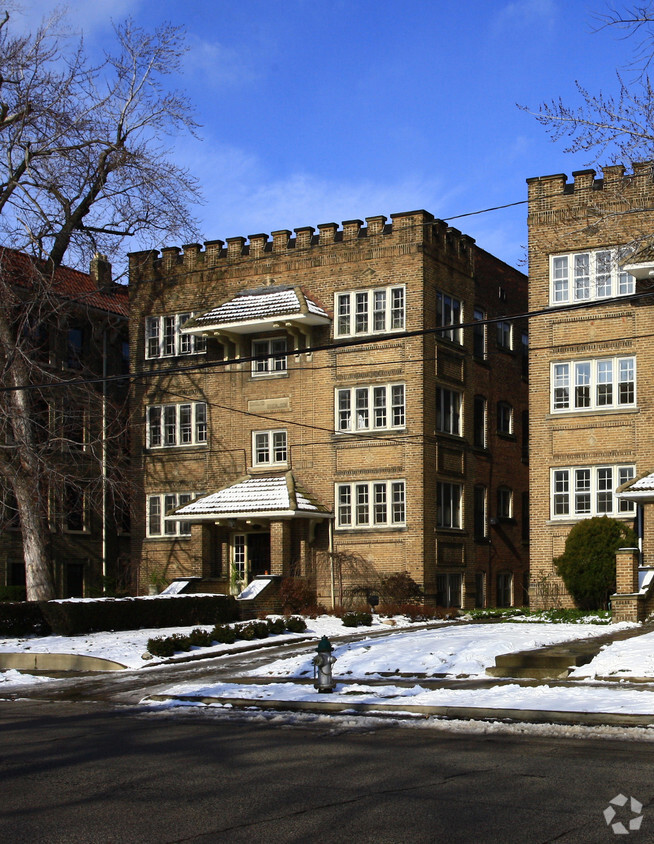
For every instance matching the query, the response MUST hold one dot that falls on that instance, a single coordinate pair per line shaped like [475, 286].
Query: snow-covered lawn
[451, 651]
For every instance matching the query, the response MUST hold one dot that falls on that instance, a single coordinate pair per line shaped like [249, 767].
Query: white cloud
[216, 65]
[90, 18]
[525, 14]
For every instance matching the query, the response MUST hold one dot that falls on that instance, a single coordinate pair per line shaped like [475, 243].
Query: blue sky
[318, 112]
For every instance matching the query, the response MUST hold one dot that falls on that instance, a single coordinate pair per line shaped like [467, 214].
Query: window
[588, 276]
[480, 520]
[371, 504]
[593, 384]
[159, 506]
[449, 312]
[525, 353]
[448, 590]
[504, 502]
[75, 509]
[504, 335]
[448, 505]
[480, 589]
[171, 425]
[370, 311]
[163, 338]
[448, 411]
[75, 348]
[504, 589]
[271, 356]
[479, 334]
[373, 407]
[269, 448]
[479, 422]
[504, 418]
[583, 491]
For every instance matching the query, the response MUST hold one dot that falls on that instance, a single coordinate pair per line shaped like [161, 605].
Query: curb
[461, 713]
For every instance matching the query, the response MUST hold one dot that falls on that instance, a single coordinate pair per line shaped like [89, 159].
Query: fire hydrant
[322, 666]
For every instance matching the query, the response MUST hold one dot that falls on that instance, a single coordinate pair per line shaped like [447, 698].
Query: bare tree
[82, 168]
[620, 126]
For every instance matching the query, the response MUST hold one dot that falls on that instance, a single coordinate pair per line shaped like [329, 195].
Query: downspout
[331, 562]
[104, 461]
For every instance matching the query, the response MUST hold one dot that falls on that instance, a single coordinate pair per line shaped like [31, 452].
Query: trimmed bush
[354, 619]
[295, 624]
[223, 634]
[587, 564]
[200, 638]
[22, 619]
[67, 618]
[276, 625]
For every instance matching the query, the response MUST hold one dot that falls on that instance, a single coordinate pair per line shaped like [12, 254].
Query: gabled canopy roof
[258, 496]
[640, 261]
[638, 489]
[259, 310]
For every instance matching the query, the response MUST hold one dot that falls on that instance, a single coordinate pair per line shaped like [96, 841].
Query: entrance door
[259, 553]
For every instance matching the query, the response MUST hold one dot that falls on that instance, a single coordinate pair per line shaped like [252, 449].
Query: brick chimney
[100, 272]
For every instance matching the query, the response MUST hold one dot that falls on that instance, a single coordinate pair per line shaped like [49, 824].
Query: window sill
[592, 411]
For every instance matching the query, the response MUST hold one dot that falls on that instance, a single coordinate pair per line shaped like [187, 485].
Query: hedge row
[222, 633]
[66, 618]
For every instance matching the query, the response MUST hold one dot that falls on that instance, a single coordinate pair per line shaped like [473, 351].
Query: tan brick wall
[415, 250]
[586, 214]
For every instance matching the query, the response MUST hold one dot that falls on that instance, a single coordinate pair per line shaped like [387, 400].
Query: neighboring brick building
[80, 330]
[591, 382]
[391, 445]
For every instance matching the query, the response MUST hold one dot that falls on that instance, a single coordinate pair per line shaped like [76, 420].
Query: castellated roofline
[408, 226]
[614, 177]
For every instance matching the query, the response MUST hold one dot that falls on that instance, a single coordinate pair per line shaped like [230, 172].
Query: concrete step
[530, 673]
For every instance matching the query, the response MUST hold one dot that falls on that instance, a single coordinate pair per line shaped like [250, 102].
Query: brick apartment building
[82, 335]
[295, 409]
[591, 382]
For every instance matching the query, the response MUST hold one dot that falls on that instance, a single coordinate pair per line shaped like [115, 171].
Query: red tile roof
[70, 284]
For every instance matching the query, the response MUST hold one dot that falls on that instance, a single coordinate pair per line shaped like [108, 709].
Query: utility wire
[341, 344]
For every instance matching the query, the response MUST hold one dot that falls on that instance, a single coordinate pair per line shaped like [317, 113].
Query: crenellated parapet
[615, 186]
[413, 227]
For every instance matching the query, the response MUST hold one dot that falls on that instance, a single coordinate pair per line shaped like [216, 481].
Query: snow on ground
[579, 698]
[631, 658]
[466, 650]
[450, 650]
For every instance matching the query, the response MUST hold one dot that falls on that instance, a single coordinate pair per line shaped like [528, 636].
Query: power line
[197, 368]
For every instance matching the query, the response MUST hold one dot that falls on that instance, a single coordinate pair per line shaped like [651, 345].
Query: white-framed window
[171, 425]
[270, 354]
[583, 491]
[505, 335]
[448, 505]
[590, 385]
[269, 448]
[504, 589]
[504, 418]
[375, 311]
[449, 311]
[163, 338]
[480, 513]
[371, 504]
[159, 506]
[448, 411]
[504, 502]
[588, 276]
[373, 407]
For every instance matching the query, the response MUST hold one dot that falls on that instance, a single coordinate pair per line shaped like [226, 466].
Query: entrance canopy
[254, 497]
[640, 489]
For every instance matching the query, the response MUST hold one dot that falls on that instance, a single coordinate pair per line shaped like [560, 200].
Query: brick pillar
[280, 547]
[648, 533]
[626, 571]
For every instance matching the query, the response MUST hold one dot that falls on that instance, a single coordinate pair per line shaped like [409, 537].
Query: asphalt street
[89, 772]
